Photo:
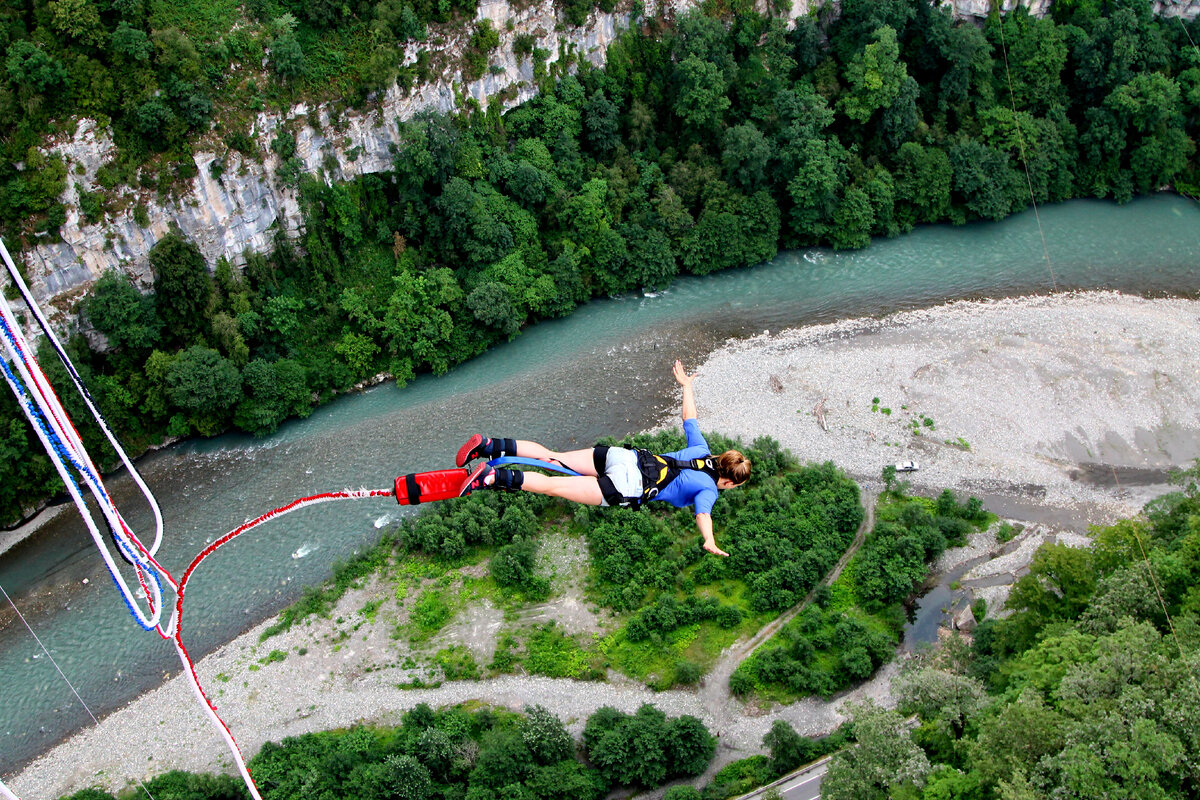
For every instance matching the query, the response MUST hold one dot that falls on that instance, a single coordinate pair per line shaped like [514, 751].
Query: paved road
[802, 785]
[805, 786]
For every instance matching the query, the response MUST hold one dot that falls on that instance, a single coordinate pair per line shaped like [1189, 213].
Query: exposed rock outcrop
[242, 209]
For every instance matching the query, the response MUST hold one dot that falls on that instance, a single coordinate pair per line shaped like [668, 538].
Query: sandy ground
[1073, 401]
[1065, 410]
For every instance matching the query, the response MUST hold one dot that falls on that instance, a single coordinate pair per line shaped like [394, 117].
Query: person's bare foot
[712, 548]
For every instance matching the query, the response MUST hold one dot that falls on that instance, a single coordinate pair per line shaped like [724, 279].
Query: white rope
[15, 274]
[50, 411]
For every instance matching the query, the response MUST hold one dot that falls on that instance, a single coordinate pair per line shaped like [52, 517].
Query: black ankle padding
[506, 447]
[509, 479]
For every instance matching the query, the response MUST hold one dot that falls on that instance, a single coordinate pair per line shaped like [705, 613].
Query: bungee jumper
[616, 476]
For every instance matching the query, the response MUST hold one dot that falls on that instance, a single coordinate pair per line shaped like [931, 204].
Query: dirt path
[714, 690]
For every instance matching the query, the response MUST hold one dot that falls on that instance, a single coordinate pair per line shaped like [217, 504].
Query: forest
[708, 141]
[1088, 689]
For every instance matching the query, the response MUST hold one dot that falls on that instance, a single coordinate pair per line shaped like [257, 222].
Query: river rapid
[604, 370]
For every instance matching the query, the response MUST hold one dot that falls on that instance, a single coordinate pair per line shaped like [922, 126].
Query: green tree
[745, 155]
[984, 179]
[820, 171]
[514, 564]
[503, 760]
[131, 43]
[359, 352]
[406, 778]
[79, 20]
[274, 391]
[1037, 55]
[545, 736]
[287, 56]
[885, 757]
[600, 123]
[853, 221]
[876, 77]
[418, 324]
[788, 749]
[32, 68]
[923, 180]
[1058, 586]
[206, 386]
[689, 746]
[1018, 736]
[702, 99]
[123, 314]
[1150, 110]
[182, 287]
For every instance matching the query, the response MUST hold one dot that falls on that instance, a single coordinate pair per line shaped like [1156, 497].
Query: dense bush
[450, 752]
[453, 752]
[853, 628]
[784, 529]
[646, 748]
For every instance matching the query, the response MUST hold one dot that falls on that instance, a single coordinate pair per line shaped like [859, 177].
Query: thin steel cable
[1158, 591]
[61, 674]
[1025, 161]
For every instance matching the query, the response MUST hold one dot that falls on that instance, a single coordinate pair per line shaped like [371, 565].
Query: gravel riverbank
[1072, 401]
[1071, 405]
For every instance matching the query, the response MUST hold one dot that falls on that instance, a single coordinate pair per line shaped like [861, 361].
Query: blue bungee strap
[531, 462]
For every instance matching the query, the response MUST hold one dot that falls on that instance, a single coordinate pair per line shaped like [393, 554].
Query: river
[604, 370]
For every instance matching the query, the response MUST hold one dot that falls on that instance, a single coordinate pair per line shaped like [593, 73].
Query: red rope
[212, 548]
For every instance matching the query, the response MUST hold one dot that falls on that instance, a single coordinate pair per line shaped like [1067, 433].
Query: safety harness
[657, 472]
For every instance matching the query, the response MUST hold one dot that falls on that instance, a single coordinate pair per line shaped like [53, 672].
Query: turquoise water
[605, 370]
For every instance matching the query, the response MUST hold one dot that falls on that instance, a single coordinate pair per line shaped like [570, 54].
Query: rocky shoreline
[1032, 402]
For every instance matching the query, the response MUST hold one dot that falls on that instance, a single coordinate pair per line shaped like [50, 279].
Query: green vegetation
[482, 754]
[706, 143]
[1088, 689]
[854, 628]
[273, 656]
[788, 751]
[679, 608]
[646, 748]
[676, 609]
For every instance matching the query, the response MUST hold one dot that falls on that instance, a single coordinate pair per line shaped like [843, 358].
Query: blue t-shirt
[692, 487]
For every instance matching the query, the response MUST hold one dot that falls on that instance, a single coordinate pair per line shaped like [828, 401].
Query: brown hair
[733, 465]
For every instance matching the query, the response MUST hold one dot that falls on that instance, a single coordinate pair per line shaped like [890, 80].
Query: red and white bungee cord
[65, 447]
[176, 626]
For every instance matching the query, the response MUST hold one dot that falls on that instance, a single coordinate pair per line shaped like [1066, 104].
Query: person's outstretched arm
[704, 523]
[689, 397]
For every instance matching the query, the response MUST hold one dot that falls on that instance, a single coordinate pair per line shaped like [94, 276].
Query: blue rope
[35, 416]
[531, 462]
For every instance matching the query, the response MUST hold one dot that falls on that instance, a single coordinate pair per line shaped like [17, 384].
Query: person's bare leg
[581, 489]
[578, 460]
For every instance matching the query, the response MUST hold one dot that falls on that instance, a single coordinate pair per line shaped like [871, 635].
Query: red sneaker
[471, 449]
[477, 479]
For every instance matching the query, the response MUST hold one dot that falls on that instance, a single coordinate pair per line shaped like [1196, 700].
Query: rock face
[1188, 9]
[979, 9]
[242, 209]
